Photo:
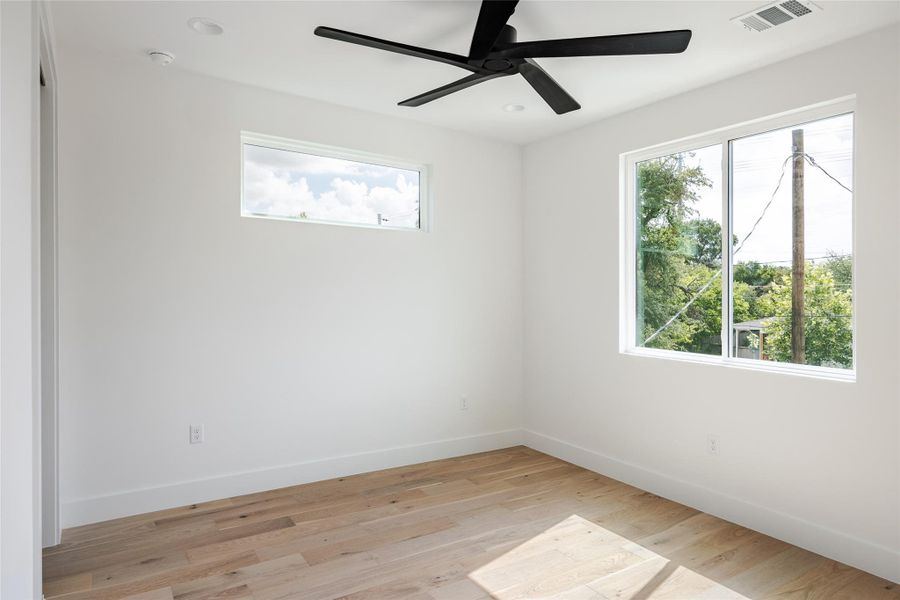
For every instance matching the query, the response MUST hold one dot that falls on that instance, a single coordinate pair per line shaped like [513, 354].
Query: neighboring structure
[750, 339]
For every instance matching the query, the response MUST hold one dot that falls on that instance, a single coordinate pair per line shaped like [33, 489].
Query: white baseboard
[122, 504]
[873, 558]
[876, 559]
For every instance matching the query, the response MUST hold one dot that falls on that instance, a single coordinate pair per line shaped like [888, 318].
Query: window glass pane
[679, 251]
[763, 204]
[287, 184]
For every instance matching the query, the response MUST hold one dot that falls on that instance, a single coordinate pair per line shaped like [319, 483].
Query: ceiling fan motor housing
[499, 65]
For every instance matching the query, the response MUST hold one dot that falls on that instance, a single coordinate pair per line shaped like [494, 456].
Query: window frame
[628, 227]
[321, 150]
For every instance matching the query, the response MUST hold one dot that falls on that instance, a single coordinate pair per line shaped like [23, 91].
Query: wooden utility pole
[798, 255]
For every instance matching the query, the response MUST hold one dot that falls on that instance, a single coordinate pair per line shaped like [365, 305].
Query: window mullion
[726, 332]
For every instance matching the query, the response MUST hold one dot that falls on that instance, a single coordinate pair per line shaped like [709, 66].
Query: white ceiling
[271, 45]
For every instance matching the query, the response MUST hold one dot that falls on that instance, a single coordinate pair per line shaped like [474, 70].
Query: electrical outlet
[196, 434]
[712, 444]
[464, 403]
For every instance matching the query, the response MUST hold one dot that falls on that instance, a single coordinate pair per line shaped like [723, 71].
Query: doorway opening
[48, 322]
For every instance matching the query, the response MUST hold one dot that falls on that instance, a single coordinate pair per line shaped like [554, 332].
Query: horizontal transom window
[288, 180]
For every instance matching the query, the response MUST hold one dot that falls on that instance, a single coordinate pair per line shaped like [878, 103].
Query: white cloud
[310, 164]
[281, 188]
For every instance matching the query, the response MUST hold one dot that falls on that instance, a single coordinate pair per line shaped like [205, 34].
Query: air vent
[775, 14]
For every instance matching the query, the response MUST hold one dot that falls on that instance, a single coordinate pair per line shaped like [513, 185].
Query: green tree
[705, 314]
[751, 281]
[702, 242]
[679, 266]
[756, 274]
[667, 190]
[841, 267]
[828, 322]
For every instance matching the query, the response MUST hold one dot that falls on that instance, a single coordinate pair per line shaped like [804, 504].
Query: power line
[749, 262]
[810, 286]
[809, 258]
[762, 214]
[809, 316]
[813, 162]
[765, 208]
[682, 310]
[718, 273]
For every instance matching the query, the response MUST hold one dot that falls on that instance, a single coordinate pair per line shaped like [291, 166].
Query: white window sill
[747, 364]
[251, 215]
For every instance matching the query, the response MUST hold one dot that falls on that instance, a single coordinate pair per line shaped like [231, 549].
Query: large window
[740, 246]
[282, 179]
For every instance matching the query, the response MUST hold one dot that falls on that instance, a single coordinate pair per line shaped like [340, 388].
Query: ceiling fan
[496, 53]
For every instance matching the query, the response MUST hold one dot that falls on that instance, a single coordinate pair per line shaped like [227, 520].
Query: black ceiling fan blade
[448, 89]
[552, 93]
[656, 42]
[491, 18]
[373, 42]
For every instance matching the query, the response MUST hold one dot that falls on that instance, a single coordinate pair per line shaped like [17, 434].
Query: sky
[288, 184]
[758, 162]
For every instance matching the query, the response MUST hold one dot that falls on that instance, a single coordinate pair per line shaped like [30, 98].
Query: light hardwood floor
[512, 523]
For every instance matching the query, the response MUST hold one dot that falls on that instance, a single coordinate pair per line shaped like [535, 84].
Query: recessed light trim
[205, 26]
[511, 108]
[160, 57]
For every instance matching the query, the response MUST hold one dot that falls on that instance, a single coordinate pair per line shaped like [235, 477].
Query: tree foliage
[827, 322]
[680, 254]
[841, 268]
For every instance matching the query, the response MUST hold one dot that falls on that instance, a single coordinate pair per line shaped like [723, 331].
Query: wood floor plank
[503, 525]
[67, 584]
[236, 583]
[140, 568]
[168, 578]
[369, 541]
[168, 540]
[121, 527]
[459, 588]
[157, 594]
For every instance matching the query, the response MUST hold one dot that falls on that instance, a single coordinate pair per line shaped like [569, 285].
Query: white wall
[813, 462]
[20, 494]
[310, 351]
[292, 343]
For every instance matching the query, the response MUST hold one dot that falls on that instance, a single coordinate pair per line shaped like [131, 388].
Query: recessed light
[513, 107]
[205, 26]
[161, 58]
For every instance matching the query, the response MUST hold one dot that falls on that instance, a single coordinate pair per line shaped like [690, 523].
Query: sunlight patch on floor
[577, 559]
